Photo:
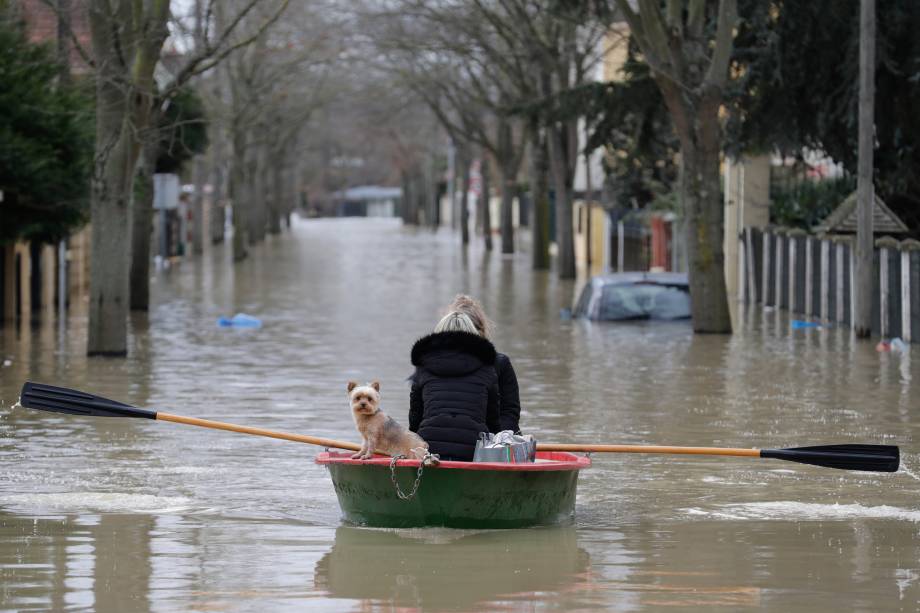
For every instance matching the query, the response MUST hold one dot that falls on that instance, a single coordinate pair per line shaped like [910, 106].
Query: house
[367, 201]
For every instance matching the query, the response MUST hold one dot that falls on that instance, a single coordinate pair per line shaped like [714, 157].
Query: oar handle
[220, 425]
[579, 448]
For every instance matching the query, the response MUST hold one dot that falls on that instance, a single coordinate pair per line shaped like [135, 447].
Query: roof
[368, 192]
[843, 219]
[662, 278]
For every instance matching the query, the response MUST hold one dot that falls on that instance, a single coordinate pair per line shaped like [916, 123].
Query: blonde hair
[456, 321]
[472, 308]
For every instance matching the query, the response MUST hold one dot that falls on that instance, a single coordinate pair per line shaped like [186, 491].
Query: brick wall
[42, 25]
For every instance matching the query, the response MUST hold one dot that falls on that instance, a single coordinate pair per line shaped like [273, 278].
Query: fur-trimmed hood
[452, 353]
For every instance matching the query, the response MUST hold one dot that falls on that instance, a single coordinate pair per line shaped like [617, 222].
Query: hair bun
[473, 309]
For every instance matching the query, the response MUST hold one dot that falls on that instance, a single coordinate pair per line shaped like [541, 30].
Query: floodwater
[130, 515]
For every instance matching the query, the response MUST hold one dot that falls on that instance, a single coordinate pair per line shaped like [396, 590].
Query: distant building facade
[367, 201]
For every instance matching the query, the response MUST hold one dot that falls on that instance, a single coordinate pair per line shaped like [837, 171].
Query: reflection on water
[76, 562]
[445, 568]
[132, 515]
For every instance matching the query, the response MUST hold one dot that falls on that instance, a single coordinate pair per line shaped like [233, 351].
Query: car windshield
[644, 301]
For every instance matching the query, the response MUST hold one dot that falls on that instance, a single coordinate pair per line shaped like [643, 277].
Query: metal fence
[813, 276]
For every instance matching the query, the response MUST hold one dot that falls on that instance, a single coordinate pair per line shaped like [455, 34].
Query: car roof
[621, 278]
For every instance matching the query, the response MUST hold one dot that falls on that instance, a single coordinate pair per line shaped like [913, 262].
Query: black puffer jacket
[454, 393]
[510, 395]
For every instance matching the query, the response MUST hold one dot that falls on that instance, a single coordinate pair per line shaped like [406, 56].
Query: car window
[620, 302]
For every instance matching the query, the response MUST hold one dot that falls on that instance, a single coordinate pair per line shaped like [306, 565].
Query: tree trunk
[257, 196]
[111, 219]
[218, 213]
[704, 214]
[291, 190]
[539, 191]
[507, 221]
[142, 227]
[198, 229]
[124, 92]
[418, 179]
[452, 184]
[692, 74]
[406, 199]
[432, 197]
[565, 243]
[238, 198]
[589, 206]
[110, 208]
[506, 169]
[277, 197]
[865, 190]
[465, 201]
[418, 189]
[486, 216]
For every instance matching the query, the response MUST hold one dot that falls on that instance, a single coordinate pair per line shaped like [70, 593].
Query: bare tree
[443, 55]
[127, 40]
[266, 94]
[481, 66]
[690, 66]
[211, 39]
[562, 48]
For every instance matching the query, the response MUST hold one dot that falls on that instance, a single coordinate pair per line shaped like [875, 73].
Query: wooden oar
[63, 400]
[876, 458]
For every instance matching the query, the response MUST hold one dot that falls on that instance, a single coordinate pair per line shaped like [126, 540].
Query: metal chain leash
[418, 477]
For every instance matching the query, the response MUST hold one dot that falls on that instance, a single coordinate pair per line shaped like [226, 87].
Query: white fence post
[778, 298]
[839, 289]
[742, 269]
[765, 280]
[825, 279]
[749, 257]
[793, 263]
[852, 283]
[883, 292]
[905, 297]
[809, 276]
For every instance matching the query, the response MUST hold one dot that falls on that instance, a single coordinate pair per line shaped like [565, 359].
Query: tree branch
[209, 58]
[696, 18]
[717, 74]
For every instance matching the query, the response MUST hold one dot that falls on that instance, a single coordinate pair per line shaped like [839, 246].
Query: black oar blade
[875, 458]
[63, 400]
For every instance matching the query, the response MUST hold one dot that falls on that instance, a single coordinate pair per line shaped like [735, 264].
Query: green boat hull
[454, 498]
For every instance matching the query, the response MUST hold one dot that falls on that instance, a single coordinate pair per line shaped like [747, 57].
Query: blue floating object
[798, 323]
[240, 320]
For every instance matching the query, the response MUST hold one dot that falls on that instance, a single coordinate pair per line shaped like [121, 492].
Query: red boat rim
[551, 460]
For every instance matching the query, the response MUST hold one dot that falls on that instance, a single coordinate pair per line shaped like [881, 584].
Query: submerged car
[635, 295]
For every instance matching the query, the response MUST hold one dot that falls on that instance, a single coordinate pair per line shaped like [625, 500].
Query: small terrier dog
[378, 431]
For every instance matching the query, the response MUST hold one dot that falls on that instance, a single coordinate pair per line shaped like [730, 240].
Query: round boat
[456, 494]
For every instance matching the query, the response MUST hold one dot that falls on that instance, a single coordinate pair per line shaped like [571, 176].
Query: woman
[510, 405]
[454, 392]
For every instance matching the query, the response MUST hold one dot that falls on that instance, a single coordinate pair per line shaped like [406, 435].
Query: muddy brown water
[130, 515]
